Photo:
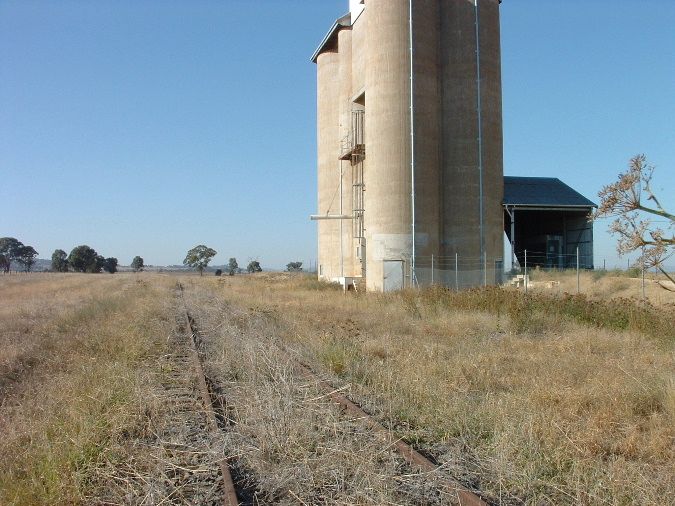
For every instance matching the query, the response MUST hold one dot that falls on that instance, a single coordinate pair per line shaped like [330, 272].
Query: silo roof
[342, 22]
[542, 192]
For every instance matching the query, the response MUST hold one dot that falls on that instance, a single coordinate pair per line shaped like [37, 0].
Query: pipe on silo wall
[328, 130]
[479, 122]
[387, 178]
[413, 279]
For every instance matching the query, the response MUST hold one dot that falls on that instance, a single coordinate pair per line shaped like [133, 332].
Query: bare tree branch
[624, 200]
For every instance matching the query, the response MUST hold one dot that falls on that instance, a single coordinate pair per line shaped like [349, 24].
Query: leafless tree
[631, 200]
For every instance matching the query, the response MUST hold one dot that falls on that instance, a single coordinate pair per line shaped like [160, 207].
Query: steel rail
[465, 497]
[229, 490]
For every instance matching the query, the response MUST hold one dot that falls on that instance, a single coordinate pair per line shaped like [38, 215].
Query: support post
[525, 278]
[457, 272]
[643, 276]
[578, 287]
[432, 270]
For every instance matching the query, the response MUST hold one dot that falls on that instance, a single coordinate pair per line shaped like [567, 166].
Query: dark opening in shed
[549, 220]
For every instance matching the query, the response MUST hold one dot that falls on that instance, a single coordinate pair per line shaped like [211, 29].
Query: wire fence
[530, 270]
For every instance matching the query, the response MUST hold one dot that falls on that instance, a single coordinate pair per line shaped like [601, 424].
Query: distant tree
[110, 265]
[9, 249]
[294, 267]
[85, 259]
[219, 272]
[232, 266]
[253, 267]
[59, 261]
[25, 255]
[199, 257]
[137, 264]
[628, 199]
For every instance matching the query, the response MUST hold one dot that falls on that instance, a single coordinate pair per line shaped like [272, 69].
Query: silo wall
[387, 178]
[328, 131]
[427, 134]
[493, 147]
[460, 175]
[352, 266]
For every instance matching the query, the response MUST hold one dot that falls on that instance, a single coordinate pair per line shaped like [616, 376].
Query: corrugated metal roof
[542, 192]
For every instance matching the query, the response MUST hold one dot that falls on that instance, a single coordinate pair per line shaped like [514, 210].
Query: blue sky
[146, 127]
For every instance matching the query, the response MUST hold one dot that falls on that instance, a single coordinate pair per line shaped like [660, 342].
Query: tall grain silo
[427, 74]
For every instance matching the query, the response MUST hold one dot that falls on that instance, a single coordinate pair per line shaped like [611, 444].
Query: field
[547, 398]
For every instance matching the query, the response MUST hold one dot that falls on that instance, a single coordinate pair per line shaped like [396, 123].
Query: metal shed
[549, 220]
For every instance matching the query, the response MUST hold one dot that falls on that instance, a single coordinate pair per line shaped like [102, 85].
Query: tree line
[200, 256]
[84, 258]
[13, 250]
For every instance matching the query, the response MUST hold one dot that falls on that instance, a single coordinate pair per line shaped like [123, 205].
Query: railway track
[417, 461]
[229, 490]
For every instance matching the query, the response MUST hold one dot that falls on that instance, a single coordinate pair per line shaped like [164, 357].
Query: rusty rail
[416, 460]
[229, 490]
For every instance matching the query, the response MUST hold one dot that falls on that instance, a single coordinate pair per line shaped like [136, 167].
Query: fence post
[432, 270]
[525, 278]
[643, 279]
[457, 272]
[484, 269]
[577, 269]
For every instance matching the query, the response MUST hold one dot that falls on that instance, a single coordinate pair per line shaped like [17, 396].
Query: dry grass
[535, 400]
[293, 446]
[75, 381]
[538, 409]
[604, 285]
[29, 304]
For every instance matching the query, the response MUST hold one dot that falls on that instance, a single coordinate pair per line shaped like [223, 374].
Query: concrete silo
[328, 150]
[426, 179]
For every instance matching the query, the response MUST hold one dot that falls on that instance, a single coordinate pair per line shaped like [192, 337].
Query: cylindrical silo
[388, 217]
[348, 251]
[328, 176]
[427, 129]
[471, 131]
[493, 151]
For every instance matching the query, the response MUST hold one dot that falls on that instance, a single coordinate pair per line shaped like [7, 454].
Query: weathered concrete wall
[493, 150]
[359, 34]
[460, 149]
[388, 183]
[328, 90]
[426, 30]
[350, 262]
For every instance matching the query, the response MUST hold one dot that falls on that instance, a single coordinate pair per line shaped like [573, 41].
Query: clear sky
[145, 127]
